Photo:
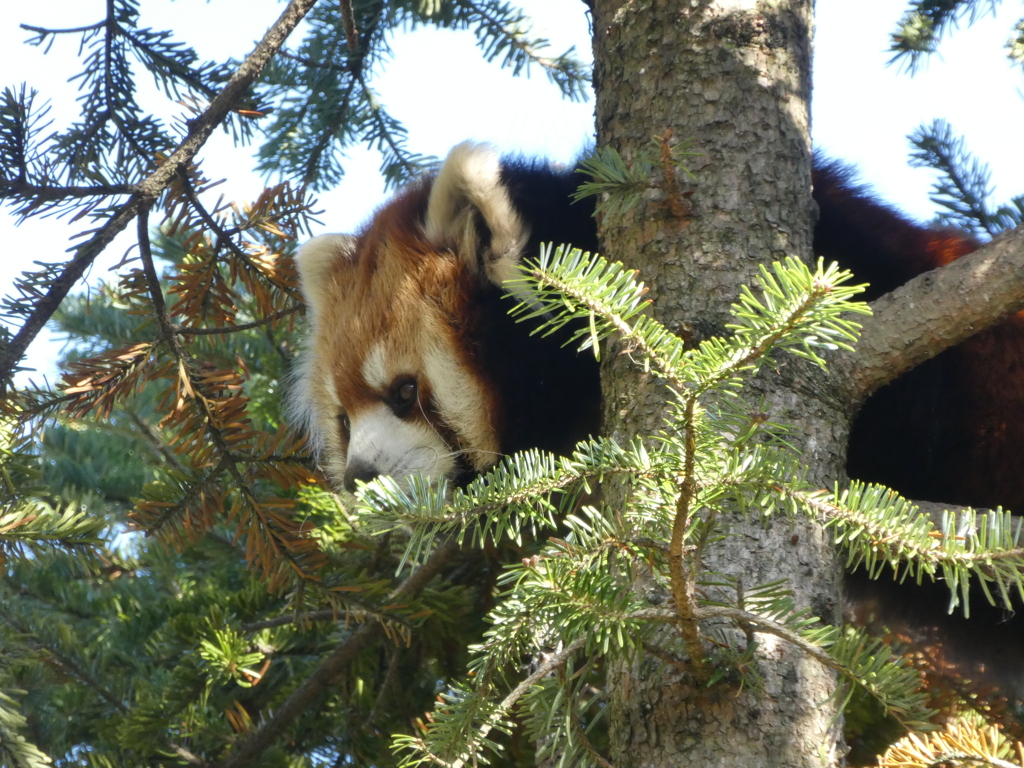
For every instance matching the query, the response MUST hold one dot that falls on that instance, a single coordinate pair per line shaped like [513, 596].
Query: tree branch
[305, 696]
[47, 193]
[933, 312]
[148, 190]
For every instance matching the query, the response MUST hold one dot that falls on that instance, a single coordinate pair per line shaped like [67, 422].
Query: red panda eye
[344, 425]
[403, 394]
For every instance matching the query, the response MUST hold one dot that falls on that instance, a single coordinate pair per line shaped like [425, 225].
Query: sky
[438, 85]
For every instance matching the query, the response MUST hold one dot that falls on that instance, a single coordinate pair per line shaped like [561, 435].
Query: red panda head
[393, 381]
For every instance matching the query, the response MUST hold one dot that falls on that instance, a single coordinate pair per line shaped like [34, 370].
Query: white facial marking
[332, 393]
[398, 448]
[375, 373]
[462, 403]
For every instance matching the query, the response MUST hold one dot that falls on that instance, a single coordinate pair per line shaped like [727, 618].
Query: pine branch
[224, 238]
[865, 662]
[420, 751]
[304, 135]
[797, 310]
[29, 525]
[304, 698]
[581, 736]
[877, 526]
[501, 29]
[398, 164]
[964, 188]
[619, 186]
[150, 189]
[964, 741]
[926, 21]
[511, 496]
[15, 750]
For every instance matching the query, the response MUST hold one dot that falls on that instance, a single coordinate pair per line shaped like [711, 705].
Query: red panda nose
[358, 470]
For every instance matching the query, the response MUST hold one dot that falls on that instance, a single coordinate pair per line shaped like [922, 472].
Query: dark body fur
[949, 431]
[546, 403]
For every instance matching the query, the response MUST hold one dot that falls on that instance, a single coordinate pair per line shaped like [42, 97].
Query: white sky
[437, 84]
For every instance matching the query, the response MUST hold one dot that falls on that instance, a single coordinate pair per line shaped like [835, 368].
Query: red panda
[413, 366]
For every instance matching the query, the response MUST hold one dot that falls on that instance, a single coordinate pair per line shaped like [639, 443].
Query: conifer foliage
[176, 591]
[178, 588]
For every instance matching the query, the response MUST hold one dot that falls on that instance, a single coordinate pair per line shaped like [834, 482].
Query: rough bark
[734, 77]
[935, 311]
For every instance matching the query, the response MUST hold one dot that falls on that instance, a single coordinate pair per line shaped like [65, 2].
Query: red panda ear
[470, 211]
[315, 261]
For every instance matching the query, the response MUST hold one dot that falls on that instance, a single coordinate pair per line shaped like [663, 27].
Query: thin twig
[42, 31]
[683, 581]
[759, 623]
[348, 20]
[156, 291]
[581, 734]
[550, 664]
[211, 223]
[159, 445]
[52, 193]
[268, 320]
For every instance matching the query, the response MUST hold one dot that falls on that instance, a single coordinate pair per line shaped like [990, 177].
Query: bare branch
[935, 311]
[42, 32]
[48, 193]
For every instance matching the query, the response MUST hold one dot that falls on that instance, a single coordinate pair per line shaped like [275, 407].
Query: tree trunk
[734, 78]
